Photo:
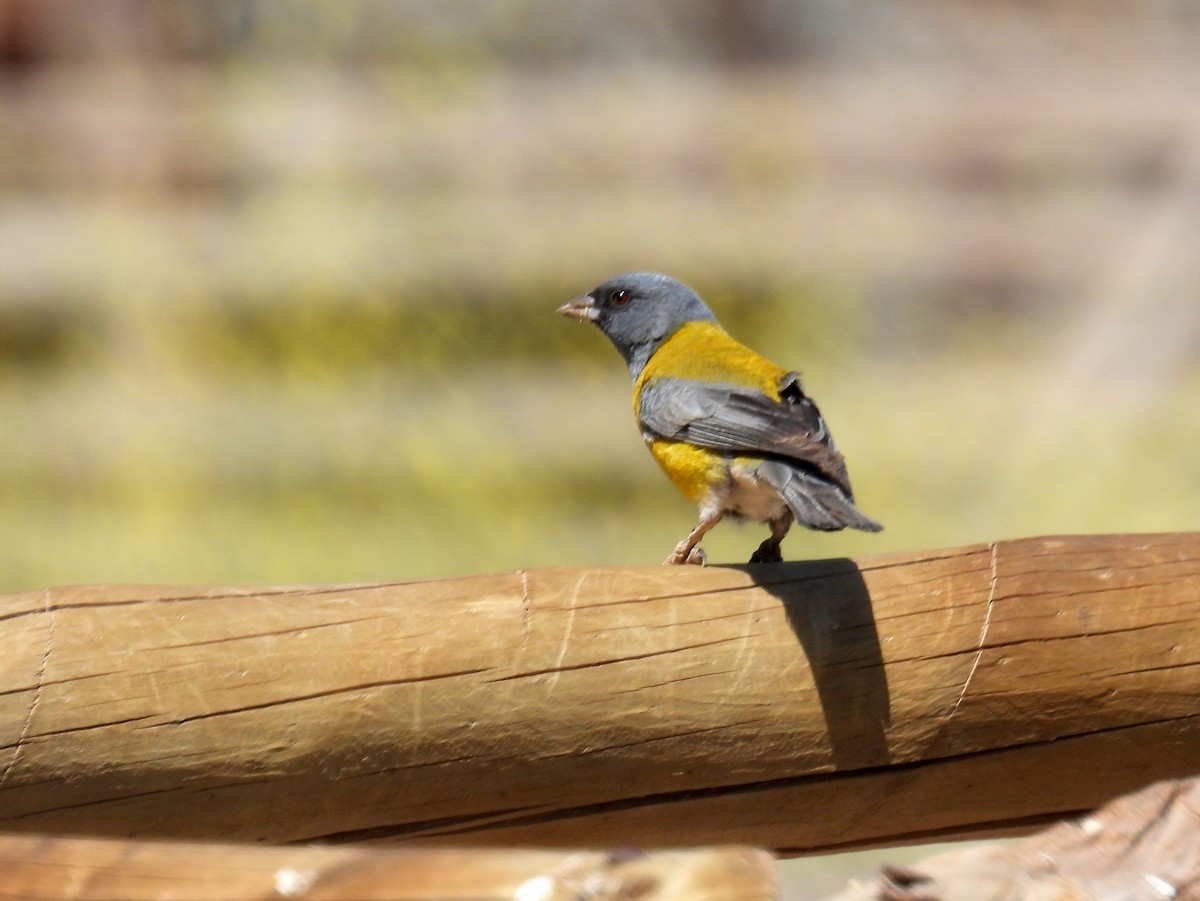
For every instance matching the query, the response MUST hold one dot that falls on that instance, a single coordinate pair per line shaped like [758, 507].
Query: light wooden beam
[50, 869]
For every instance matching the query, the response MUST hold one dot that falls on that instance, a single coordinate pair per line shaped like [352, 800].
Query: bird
[734, 432]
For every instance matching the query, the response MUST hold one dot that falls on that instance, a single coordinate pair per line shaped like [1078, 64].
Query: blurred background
[278, 279]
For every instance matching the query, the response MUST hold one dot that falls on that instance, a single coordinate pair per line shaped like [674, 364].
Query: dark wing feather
[738, 420]
[802, 462]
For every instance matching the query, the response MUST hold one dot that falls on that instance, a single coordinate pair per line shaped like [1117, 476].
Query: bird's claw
[682, 555]
[768, 552]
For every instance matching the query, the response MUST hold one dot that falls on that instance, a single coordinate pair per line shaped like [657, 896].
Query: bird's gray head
[638, 311]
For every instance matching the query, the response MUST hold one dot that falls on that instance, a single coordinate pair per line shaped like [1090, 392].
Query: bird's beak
[581, 308]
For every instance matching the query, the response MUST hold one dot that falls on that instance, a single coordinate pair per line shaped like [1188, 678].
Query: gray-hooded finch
[734, 431]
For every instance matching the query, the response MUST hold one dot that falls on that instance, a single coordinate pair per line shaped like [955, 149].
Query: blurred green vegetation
[345, 442]
[347, 438]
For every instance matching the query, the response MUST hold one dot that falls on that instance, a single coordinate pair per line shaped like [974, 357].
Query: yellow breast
[703, 352]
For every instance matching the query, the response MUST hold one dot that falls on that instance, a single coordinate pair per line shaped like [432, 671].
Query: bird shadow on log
[828, 607]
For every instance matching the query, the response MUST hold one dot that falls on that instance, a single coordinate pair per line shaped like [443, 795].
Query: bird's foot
[768, 552]
[683, 554]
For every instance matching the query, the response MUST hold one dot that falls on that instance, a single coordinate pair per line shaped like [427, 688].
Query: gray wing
[738, 420]
[802, 461]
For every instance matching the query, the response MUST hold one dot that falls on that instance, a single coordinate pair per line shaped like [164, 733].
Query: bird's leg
[768, 551]
[686, 551]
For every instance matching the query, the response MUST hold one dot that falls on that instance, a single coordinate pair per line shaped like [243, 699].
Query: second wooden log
[51, 869]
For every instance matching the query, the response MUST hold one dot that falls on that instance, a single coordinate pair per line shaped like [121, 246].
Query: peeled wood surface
[799, 707]
[1142, 846]
[54, 868]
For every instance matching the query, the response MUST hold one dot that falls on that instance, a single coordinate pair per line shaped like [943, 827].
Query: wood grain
[799, 707]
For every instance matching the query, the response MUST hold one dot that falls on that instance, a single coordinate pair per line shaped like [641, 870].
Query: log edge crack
[14, 761]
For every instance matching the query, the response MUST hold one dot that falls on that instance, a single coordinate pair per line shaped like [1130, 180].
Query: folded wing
[800, 459]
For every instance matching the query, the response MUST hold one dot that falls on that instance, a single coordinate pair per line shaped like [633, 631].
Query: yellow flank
[703, 352]
[693, 469]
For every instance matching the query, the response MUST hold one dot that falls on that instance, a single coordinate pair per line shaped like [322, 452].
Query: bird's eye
[619, 298]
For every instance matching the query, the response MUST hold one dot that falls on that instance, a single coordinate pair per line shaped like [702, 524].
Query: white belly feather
[744, 496]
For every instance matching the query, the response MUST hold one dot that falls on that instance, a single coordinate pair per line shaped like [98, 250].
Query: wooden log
[1140, 846]
[799, 707]
[47, 869]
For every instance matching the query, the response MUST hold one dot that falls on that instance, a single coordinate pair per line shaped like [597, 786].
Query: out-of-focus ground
[277, 280]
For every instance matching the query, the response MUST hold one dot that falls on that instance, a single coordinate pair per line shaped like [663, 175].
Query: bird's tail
[815, 501]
